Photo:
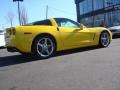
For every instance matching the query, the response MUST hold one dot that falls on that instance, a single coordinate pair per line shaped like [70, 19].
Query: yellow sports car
[44, 38]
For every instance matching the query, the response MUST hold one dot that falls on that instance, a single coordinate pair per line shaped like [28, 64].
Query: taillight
[12, 31]
[8, 31]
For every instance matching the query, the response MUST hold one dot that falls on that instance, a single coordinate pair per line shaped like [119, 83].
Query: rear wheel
[104, 39]
[44, 47]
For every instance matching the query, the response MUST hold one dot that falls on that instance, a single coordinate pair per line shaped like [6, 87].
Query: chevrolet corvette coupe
[44, 38]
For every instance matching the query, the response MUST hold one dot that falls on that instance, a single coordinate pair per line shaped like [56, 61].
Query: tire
[44, 47]
[104, 40]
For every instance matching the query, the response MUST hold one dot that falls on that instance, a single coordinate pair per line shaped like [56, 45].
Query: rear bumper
[12, 49]
[16, 44]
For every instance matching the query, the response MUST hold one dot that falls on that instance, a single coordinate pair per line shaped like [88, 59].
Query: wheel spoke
[42, 51]
[104, 35]
[41, 45]
[45, 41]
[48, 52]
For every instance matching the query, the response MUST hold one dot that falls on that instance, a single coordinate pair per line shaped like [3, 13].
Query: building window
[112, 18]
[109, 3]
[81, 8]
[85, 6]
[116, 16]
[116, 2]
[99, 20]
[89, 5]
[102, 9]
[87, 21]
[98, 4]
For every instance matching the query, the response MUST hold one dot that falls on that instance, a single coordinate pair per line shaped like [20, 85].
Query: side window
[67, 23]
[44, 22]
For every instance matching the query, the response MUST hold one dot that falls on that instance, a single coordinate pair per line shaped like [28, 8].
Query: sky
[36, 10]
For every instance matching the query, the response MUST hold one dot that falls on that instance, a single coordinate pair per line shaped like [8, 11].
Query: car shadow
[76, 50]
[19, 59]
[15, 59]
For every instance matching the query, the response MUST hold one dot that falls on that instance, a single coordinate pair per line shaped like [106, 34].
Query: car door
[71, 33]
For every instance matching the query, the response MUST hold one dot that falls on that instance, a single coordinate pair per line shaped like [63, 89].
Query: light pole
[18, 9]
[46, 11]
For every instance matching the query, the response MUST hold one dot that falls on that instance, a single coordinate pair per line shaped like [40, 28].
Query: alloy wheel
[45, 47]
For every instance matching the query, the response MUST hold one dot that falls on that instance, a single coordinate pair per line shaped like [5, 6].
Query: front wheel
[104, 39]
[44, 47]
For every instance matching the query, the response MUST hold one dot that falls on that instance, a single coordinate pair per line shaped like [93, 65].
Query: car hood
[114, 27]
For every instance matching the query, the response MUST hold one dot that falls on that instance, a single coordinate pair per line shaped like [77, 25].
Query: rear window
[43, 22]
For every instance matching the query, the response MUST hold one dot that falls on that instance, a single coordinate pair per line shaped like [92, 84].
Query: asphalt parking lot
[81, 69]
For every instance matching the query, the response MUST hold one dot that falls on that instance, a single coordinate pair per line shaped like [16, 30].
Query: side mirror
[82, 26]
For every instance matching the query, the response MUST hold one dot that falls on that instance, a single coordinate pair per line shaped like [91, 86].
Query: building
[98, 12]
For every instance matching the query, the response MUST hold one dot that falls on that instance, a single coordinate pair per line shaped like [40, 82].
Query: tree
[23, 16]
[10, 18]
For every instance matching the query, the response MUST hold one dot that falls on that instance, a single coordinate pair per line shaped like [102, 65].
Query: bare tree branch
[10, 18]
[23, 16]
